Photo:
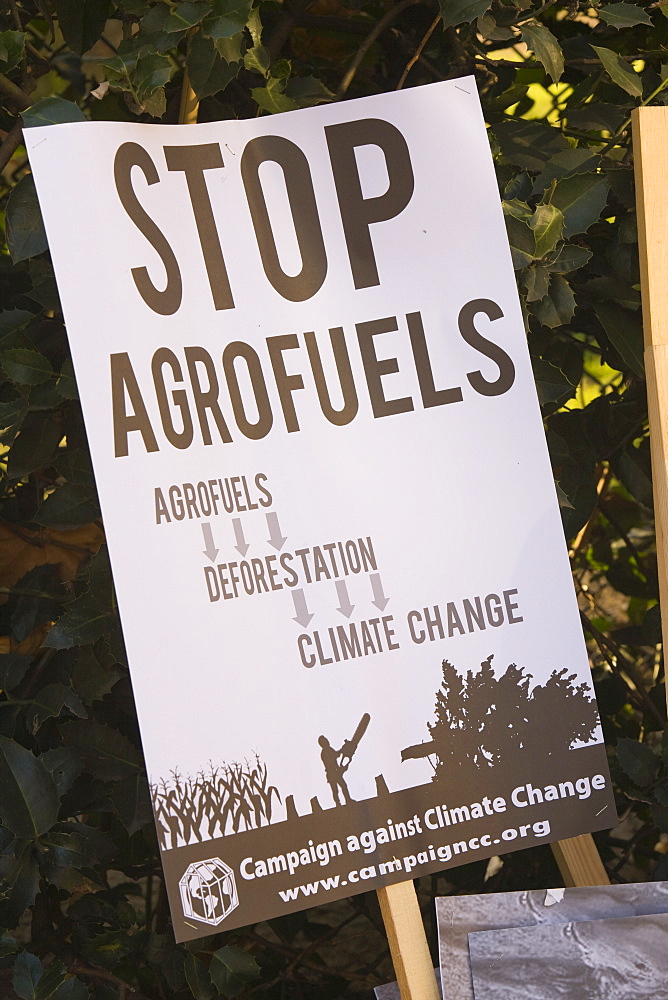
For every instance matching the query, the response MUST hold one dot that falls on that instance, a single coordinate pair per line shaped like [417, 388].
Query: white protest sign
[352, 632]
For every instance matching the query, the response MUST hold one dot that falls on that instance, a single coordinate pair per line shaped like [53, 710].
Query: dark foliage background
[83, 905]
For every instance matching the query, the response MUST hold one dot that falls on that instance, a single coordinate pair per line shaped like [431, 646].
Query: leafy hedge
[83, 904]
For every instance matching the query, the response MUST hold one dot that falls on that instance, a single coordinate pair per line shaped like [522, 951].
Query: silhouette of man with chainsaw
[337, 762]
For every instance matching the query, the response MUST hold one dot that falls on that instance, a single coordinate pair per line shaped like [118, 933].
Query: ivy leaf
[558, 306]
[529, 144]
[209, 74]
[66, 384]
[132, 801]
[623, 15]
[272, 98]
[20, 877]
[546, 48]
[551, 383]
[151, 29]
[547, 224]
[27, 972]
[91, 679]
[107, 753]
[82, 22]
[198, 978]
[637, 761]
[26, 367]
[26, 236]
[231, 49]
[12, 324]
[39, 437]
[632, 466]
[227, 18]
[83, 622]
[231, 970]
[569, 258]
[76, 845]
[571, 161]
[184, 16]
[64, 765]
[537, 282]
[307, 91]
[597, 116]
[660, 817]
[13, 667]
[50, 702]
[487, 26]
[152, 72]
[8, 944]
[624, 331]
[581, 199]
[652, 634]
[30, 800]
[37, 984]
[113, 949]
[68, 507]
[257, 60]
[13, 406]
[619, 71]
[120, 66]
[52, 111]
[12, 48]
[33, 610]
[71, 989]
[462, 11]
[520, 235]
[562, 497]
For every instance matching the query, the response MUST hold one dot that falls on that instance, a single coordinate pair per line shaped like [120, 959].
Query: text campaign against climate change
[345, 595]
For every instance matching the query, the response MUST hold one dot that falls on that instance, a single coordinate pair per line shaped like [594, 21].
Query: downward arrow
[241, 545]
[379, 598]
[210, 549]
[302, 616]
[275, 537]
[345, 607]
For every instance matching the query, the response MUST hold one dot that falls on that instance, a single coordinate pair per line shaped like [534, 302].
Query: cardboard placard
[346, 599]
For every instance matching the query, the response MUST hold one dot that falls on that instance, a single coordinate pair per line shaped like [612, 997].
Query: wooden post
[650, 148]
[408, 942]
[579, 861]
[188, 105]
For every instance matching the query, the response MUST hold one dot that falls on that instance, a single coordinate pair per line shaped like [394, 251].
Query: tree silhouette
[483, 719]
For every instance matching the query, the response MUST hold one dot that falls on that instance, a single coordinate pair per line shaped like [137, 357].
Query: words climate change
[237, 379]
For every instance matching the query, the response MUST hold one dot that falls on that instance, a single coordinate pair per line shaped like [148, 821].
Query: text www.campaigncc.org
[444, 853]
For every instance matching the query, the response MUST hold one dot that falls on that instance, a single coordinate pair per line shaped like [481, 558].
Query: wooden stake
[189, 105]
[650, 147]
[579, 861]
[408, 942]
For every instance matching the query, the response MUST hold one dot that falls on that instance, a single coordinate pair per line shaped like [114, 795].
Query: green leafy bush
[83, 903]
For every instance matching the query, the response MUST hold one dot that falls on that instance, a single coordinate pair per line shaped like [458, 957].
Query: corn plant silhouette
[226, 799]
[484, 719]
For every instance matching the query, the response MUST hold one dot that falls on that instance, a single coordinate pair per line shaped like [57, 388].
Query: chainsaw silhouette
[350, 746]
